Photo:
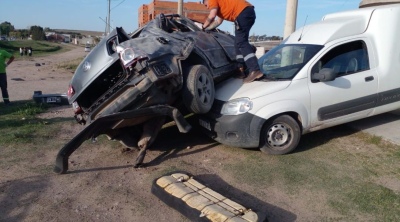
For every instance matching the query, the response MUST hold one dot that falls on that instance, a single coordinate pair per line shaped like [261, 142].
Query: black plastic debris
[56, 99]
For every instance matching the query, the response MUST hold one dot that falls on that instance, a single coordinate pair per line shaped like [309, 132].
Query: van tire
[198, 89]
[280, 135]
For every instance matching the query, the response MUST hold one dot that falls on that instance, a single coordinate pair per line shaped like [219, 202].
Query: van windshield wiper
[269, 77]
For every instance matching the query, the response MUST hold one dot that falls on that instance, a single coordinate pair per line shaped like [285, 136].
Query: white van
[343, 68]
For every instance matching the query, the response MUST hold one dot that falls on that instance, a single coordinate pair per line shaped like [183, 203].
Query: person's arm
[217, 22]
[10, 60]
[210, 17]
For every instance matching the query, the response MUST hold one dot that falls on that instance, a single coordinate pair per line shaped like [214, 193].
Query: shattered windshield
[284, 61]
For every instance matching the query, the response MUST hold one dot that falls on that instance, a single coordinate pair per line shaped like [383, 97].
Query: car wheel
[280, 135]
[198, 90]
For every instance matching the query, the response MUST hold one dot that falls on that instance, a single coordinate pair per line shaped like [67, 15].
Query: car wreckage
[129, 85]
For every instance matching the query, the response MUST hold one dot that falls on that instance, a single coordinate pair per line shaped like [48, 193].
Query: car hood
[234, 88]
[92, 66]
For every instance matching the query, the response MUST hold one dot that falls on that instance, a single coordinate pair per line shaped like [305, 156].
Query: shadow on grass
[171, 142]
[21, 113]
[315, 139]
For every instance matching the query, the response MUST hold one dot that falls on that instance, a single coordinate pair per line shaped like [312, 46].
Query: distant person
[4, 55]
[242, 13]
[21, 52]
[30, 51]
[25, 51]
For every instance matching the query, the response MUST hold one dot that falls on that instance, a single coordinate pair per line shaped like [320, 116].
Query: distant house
[53, 36]
[67, 38]
[193, 10]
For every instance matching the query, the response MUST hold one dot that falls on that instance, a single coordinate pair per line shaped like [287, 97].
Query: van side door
[352, 94]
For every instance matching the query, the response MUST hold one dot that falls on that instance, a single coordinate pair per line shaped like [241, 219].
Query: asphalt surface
[385, 125]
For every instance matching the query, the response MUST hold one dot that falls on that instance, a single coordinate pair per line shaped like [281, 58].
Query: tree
[6, 28]
[96, 40]
[15, 34]
[37, 33]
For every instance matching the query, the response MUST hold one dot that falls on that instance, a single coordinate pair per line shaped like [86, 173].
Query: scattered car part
[198, 202]
[56, 99]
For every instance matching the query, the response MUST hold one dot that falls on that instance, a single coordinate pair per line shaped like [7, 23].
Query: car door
[227, 42]
[353, 94]
[207, 44]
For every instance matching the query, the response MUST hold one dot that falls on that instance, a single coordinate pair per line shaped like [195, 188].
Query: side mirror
[325, 75]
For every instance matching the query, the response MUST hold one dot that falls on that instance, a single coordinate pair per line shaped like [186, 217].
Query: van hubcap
[278, 135]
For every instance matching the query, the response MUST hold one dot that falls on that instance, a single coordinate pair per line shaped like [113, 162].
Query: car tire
[280, 135]
[198, 89]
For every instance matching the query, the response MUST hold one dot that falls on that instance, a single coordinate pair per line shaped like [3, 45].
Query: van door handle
[369, 78]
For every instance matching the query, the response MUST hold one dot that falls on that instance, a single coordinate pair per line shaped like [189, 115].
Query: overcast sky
[89, 14]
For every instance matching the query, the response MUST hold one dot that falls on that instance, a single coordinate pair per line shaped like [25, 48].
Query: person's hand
[199, 25]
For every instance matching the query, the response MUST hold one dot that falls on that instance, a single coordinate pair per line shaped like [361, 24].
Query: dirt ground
[102, 185]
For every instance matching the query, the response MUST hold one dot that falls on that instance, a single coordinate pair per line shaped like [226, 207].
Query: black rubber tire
[198, 89]
[280, 135]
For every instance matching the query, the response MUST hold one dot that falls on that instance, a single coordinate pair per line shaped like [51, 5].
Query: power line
[118, 4]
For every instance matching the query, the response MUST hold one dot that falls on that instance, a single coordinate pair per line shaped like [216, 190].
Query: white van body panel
[332, 27]
[234, 88]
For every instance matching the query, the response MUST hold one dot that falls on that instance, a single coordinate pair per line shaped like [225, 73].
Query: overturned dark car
[129, 85]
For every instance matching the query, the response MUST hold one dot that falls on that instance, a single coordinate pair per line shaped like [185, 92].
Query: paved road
[385, 125]
[29, 74]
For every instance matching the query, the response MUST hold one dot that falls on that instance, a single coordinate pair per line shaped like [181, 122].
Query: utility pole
[291, 15]
[180, 7]
[108, 18]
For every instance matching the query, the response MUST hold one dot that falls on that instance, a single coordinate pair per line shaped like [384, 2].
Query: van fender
[279, 108]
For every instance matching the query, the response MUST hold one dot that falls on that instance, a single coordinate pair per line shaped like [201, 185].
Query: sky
[91, 14]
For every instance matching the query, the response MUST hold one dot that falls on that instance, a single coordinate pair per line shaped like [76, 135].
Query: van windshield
[284, 61]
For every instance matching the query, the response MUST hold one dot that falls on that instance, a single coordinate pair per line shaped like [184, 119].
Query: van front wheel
[280, 135]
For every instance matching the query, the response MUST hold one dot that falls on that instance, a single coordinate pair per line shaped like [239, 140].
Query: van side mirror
[325, 75]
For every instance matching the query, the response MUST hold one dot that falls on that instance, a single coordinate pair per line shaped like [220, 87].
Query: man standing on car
[3, 77]
[243, 15]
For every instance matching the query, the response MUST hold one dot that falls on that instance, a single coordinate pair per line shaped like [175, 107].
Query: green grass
[70, 65]
[39, 48]
[18, 124]
[345, 176]
[21, 132]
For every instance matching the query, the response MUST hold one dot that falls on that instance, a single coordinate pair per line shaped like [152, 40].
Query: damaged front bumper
[102, 124]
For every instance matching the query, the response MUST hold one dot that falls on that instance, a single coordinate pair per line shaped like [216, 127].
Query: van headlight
[237, 106]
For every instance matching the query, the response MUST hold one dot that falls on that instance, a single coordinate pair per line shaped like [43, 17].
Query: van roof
[336, 25]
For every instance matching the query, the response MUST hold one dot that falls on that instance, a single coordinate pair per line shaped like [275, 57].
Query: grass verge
[355, 175]
[22, 133]
[39, 48]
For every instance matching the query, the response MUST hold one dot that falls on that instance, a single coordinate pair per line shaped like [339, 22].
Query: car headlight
[237, 106]
[129, 56]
